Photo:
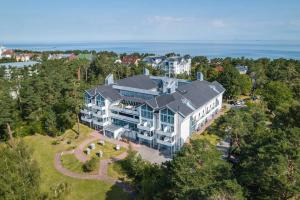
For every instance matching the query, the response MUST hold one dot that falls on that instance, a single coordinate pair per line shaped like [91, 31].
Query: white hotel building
[160, 112]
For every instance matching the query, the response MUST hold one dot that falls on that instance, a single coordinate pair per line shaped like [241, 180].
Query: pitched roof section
[160, 101]
[180, 107]
[106, 91]
[200, 92]
[139, 81]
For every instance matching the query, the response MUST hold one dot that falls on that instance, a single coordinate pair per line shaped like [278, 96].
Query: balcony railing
[123, 109]
[100, 123]
[86, 119]
[98, 107]
[145, 136]
[147, 126]
[121, 117]
[166, 142]
[99, 115]
[85, 111]
[166, 133]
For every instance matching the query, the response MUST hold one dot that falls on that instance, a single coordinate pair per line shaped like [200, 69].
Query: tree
[269, 166]
[197, 172]
[20, 175]
[245, 84]
[276, 94]
[8, 113]
[230, 79]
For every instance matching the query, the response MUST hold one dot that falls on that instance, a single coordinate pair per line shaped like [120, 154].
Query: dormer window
[147, 112]
[87, 99]
[100, 101]
[167, 116]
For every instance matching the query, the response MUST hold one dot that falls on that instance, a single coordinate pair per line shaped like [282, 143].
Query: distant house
[154, 61]
[23, 57]
[130, 59]
[176, 65]
[242, 69]
[69, 56]
[18, 65]
[7, 53]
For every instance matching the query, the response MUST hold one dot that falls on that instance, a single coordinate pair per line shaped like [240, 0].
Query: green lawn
[115, 170]
[43, 153]
[108, 150]
[70, 162]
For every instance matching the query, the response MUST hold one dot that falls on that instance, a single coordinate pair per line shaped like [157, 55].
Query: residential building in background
[171, 65]
[13, 67]
[160, 112]
[242, 69]
[154, 61]
[130, 59]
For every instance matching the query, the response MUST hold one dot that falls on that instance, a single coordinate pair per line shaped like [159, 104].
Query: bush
[90, 165]
[55, 142]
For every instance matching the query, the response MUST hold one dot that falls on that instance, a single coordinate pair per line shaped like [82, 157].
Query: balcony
[86, 119]
[85, 111]
[121, 117]
[125, 109]
[100, 123]
[99, 115]
[166, 141]
[167, 131]
[146, 126]
[145, 136]
[95, 107]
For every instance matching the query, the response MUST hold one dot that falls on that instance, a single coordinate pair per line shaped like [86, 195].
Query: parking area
[152, 155]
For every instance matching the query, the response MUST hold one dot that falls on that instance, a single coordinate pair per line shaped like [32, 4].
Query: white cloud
[164, 19]
[217, 23]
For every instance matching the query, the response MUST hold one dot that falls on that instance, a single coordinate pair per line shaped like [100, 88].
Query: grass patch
[108, 150]
[70, 162]
[213, 139]
[116, 171]
[44, 152]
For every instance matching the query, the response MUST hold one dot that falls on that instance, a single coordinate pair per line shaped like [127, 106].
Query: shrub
[55, 142]
[90, 165]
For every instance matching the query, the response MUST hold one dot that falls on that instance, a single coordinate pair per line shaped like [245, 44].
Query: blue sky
[98, 20]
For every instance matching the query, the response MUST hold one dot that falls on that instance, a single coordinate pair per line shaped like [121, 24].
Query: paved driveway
[152, 155]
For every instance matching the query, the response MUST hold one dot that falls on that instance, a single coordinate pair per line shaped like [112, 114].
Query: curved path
[102, 173]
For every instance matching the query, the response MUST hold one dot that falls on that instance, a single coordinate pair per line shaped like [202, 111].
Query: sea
[211, 49]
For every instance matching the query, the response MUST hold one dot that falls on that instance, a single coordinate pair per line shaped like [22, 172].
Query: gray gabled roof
[200, 92]
[106, 91]
[180, 107]
[160, 101]
[138, 81]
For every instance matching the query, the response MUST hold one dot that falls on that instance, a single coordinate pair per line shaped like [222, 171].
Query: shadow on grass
[117, 192]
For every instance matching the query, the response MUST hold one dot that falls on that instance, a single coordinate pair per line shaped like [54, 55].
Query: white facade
[176, 65]
[160, 127]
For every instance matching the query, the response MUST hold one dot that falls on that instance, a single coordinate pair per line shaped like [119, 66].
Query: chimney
[109, 79]
[146, 71]
[200, 76]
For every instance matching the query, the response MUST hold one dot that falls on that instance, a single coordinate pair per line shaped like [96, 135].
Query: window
[147, 112]
[100, 101]
[135, 94]
[167, 116]
[87, 99]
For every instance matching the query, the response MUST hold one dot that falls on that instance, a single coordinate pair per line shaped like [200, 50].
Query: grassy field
[43, 153]
[115, 170]
[70, 162]
[108, 150]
